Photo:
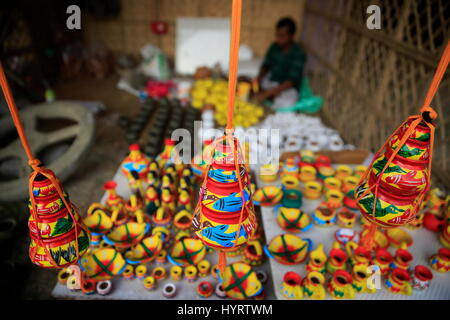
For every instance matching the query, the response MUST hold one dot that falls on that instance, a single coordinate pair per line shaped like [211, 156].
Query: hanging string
[35, 164]
[234, 55]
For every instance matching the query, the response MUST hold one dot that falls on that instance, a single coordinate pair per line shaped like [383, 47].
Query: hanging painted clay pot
[224, 218]
[393, 190]
[58, 235]
[239, 281]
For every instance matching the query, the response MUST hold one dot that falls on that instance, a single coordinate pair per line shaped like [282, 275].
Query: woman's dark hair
[287, 23]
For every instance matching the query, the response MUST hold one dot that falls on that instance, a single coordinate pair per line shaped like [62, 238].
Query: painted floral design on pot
[398, 282]
[340, 285]
[291, 287]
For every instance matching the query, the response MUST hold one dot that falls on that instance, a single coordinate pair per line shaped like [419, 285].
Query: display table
[425, 244]
[134, 289]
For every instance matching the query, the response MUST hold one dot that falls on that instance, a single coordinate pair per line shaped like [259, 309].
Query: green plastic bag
[308, 103]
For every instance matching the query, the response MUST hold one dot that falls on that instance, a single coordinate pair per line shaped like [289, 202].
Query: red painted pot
[433, 222]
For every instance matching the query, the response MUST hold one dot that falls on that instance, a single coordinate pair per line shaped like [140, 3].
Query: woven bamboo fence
[372, 80]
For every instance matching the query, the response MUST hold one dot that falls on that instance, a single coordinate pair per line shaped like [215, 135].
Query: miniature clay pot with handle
[383, 260]
[337, 258]
[313, 286]
[317, 260]
[422, 277]
[398, 282]
[291, 287]
[360, 279]
[340, 285]
[441, 261]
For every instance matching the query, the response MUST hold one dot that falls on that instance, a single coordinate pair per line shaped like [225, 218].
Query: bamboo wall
[129, 32]
[373, 79]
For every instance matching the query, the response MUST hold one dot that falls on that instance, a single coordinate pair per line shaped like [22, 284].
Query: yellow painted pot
[313, 190]
[293, 220]
[290, 182]
[313, 286]
[149, 283]
[268, 173]
[128, 273]
[203, 268]
[349, 183]
[444, 238]
[323, 216]
[291, 287]
[98, 222]
[267, 196]
[176, 273]
[288, 249]
[161, 257]
[239, 281]
[190, 273]
[398, 236]
[332, 183]
[307, 173]
[127, 235]
[187, 251]
[159, 273]
[141, 271]
[346, 218]
[103, 264]
[343, 171]
[145, 251]
[398, 282]
[317, 260]
[360, 282]
[340, 285]
[334, 198]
